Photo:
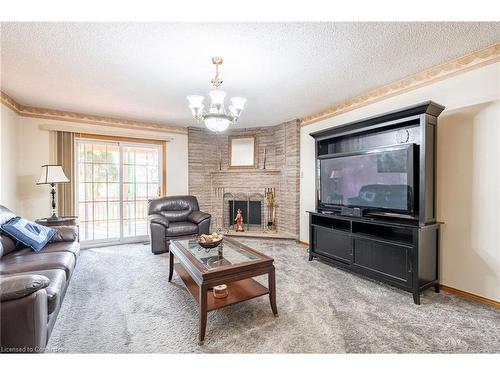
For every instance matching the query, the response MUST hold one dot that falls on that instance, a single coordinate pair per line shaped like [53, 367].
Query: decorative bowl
[208, 243]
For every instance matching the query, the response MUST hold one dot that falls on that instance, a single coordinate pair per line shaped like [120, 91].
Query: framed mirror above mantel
[242, 151]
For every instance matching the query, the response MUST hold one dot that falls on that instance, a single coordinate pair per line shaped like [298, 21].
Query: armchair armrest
[198, 216]
[159, 219]
[65, 233]
[19, 286]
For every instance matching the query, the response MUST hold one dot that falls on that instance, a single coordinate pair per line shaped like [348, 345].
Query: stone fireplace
[221, 190]
[245, 190]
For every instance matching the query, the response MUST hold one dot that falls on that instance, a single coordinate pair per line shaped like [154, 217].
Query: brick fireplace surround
[212, 181]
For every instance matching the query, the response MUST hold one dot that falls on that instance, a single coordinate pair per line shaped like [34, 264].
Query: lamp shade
[238, 103]
[195, 101]
[217, 97]
[52, 174]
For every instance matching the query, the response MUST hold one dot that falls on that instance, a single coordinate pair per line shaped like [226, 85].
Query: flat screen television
[381, 179]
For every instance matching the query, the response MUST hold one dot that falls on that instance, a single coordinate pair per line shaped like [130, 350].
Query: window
[116, 179]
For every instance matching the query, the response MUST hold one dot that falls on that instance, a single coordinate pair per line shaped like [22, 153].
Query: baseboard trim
[471, 296]
[306, 244]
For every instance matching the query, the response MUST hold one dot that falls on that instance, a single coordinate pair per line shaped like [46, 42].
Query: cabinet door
[333, 243]
[388, 261]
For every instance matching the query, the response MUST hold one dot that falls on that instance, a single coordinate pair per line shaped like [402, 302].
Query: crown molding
[474, 60]
[10, 103]
[53, 114]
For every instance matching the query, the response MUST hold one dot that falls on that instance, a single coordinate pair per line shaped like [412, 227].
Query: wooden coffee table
[232, 263]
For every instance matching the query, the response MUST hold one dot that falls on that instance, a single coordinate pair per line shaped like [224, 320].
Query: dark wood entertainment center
[401, 250]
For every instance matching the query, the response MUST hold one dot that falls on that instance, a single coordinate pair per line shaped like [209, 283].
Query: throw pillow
[28, 233]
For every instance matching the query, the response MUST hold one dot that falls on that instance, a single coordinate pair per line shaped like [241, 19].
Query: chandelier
[216, 119]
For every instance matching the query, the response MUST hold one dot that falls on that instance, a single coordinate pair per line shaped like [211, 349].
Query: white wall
[32, 149]
[25, 147]
[8, 159]
[468, 156]
[469, 198]
[177, 165]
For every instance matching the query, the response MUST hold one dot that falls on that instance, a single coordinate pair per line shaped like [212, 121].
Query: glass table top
[226, 254]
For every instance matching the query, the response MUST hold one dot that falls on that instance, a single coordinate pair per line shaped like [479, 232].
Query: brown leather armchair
[175, 217]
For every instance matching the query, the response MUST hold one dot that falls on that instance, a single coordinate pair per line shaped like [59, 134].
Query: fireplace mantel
[268, 171]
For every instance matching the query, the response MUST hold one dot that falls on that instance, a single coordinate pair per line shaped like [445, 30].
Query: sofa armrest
[19, 286]
[24, 323]
[198, 216]
[159, 219]
[68, 233]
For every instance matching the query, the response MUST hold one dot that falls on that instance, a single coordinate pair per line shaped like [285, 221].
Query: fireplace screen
[252, 211]
[251, 207]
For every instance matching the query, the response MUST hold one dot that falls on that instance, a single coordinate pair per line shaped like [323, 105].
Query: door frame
[122, 141]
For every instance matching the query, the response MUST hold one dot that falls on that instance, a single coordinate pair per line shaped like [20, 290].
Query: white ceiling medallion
[216, 119]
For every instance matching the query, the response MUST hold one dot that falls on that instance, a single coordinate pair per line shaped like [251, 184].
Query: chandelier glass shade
[216, 119]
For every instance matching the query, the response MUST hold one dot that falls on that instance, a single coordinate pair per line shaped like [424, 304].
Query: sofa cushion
[56, 288]
[7, 245]
[28, 233]
[14, 263]
[181, 228]
[55, 247]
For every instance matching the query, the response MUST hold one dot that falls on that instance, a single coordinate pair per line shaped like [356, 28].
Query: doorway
[115, 181]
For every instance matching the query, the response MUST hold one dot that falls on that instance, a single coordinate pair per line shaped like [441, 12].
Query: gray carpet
[120, 301]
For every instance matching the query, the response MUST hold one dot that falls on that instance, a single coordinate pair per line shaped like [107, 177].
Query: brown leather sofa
[32, 287]
[175, 217]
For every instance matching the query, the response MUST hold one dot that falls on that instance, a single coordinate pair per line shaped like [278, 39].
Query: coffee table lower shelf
[238, 291]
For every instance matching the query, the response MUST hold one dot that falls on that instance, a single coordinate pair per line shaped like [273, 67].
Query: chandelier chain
[216, 81]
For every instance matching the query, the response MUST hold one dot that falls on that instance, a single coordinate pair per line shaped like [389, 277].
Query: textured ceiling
[143, 71]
